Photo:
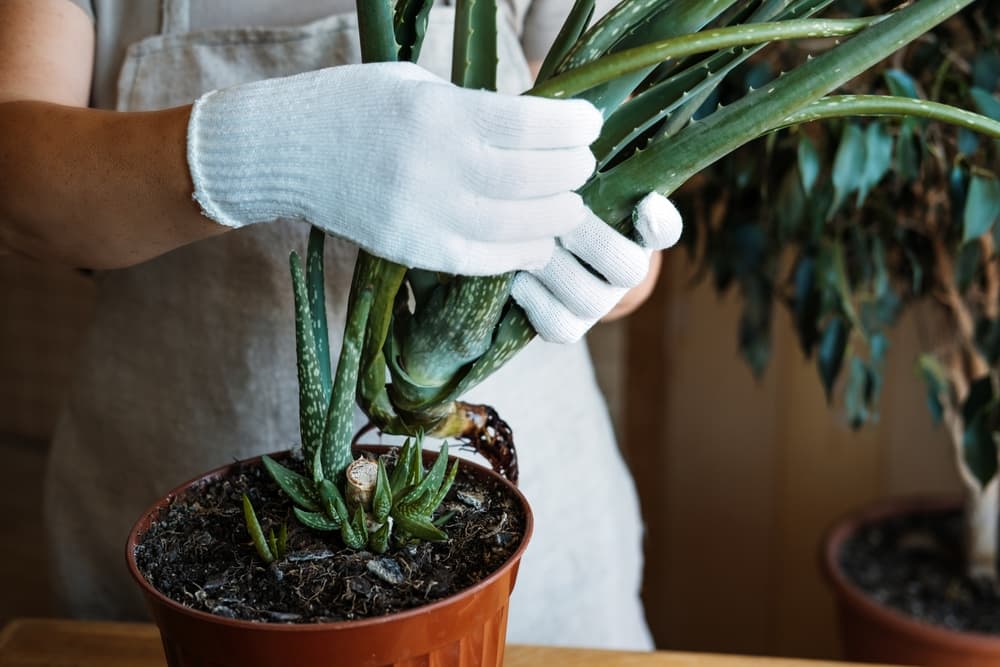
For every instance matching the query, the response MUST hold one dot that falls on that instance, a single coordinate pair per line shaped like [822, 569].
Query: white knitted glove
[403, 163]
[564, 298]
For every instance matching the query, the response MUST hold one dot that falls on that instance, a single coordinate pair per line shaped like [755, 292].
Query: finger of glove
[657, 222]
[622, 262]
[517, 121]
[520, 174]
[471, 258]
[583, 294]
[519, 220]
[550, 318]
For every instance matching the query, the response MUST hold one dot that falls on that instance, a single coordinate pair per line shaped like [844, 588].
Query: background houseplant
[851, 224]
[460, 330]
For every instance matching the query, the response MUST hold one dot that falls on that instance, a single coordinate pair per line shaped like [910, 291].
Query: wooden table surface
[58, 643]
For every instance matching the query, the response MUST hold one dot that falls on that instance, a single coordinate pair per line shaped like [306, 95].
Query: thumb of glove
[657, 222]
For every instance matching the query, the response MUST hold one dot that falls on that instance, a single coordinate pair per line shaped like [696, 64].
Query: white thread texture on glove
[406, 165]
[564, 299]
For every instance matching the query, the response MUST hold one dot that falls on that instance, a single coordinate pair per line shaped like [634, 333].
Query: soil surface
[914, 564]
[199, 553]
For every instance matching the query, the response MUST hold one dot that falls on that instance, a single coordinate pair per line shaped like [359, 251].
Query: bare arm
[84, 187]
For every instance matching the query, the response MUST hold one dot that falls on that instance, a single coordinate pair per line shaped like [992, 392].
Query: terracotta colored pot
[465, 629]
[873, 632]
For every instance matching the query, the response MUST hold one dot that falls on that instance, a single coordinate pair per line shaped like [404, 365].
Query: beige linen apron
[190, 364]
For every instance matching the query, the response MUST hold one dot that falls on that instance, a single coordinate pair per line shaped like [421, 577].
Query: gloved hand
[403, 163]
[564, 298]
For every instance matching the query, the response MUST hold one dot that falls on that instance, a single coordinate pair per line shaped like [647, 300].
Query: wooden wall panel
[740, 478]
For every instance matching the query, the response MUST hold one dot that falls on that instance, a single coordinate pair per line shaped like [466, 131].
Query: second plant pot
[873, 632]
[465, 629]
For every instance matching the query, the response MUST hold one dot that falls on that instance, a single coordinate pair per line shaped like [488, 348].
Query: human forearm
[95, 189]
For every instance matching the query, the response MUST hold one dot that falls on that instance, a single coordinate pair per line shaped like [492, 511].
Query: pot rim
[163, 501]
[847, 525]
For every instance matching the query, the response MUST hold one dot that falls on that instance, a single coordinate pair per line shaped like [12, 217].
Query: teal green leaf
[988, 339]
[979, 448]
[256, 532]
[980, 396]
[935, 379]
[982, 207]
[809, 164]
[848, 165]
[901, 84]
[986, 103]
[316, 521]
[830, 355]
[907, 156]
[297, 487]
[966, 265]
[878, 159]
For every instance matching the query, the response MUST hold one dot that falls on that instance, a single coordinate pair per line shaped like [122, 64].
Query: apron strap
[175, 17]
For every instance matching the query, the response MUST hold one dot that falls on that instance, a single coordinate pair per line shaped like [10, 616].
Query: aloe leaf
[355, 536]
[386, 279]
[420, 527]
[315, 285]
[575, 24]
[382, 501]
[603, 35]
[667, 164]
[312, 406]
[296, 486]
[455, 327]
[401, 472]
[432, 480]
[379, 540]
[443, 520]
[474, 54]
[378, 43]
[410, 26]
[416, 467]
[839, 106]
[282, 541]
[316, 521]
[256, 532]
[336, 449]
[664, 97]
[611, 67]
[669, 19]
[272, 543]
[438, 497]
[333, 502]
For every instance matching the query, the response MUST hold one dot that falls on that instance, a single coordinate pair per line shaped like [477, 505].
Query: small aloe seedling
[269, 548]
[373, 504]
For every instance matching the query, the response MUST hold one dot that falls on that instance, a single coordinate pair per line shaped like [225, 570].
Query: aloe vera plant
[416, 341]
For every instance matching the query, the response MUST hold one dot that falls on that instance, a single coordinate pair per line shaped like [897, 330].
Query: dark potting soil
[199, 553]
[914, 564]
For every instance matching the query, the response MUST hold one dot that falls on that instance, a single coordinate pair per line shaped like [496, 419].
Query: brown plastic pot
[873, 632]
[463, 630]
